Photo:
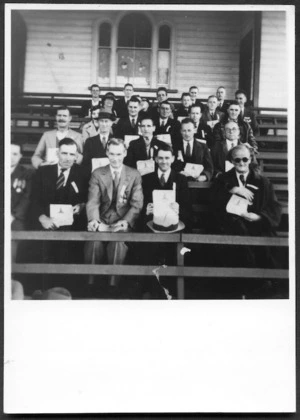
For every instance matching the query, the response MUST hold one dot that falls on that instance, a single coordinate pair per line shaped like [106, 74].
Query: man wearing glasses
[221, 148]
[233, 114]
[258, 216]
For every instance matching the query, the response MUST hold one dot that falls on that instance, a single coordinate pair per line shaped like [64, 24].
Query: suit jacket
[171, 127]
[265, 202]
[201, 104]
[218, 115]
[21, 183]
[200, 155]
[246, 133]
[129, 201]
[93, 148]
[137, 151]
[224, 107]
[182, 112]
[124, 127]
[219, 153]
[250, 117]
[89, 130]
[121, 108]
[86, 107]
[204, 132]
[151, 182]
[44, 192]
[49, 140]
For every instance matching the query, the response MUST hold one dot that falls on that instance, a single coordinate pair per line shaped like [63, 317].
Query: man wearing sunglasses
[261, 217]
[263, 212]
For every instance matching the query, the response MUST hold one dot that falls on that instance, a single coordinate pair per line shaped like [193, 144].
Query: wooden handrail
[145, 270]
[148, 237]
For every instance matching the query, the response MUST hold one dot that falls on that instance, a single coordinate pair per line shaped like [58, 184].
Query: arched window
[134, 50]
[164, 55]
[104, 52]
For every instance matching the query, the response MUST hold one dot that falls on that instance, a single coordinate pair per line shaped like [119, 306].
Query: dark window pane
[104, 35]
[135, 31]
[164, 37]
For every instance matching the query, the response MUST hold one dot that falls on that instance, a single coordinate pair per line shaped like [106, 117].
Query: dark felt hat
[106, 115]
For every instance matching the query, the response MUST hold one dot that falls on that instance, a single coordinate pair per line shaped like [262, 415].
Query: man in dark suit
[233, 114]
[71, 188]
[121, 106]
[115, 199]
[190, 150]
[185, 106]
[164, 124]
[161, 95]
[246, 114]
[95, 146]
[202, 131]
[220, 150]
[129, 125]
[221, 95]
[194, 91]
[94, 102]
[263, 210]
[163, 253]
[62, 184]
[145, 147]
[211, 115]
[20, 182]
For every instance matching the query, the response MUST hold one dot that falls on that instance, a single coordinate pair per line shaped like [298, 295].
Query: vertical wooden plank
[180, 280]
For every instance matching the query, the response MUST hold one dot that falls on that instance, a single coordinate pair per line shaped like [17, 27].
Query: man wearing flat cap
[94, 147]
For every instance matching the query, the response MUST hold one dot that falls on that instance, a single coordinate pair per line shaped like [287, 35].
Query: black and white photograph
[149, 172]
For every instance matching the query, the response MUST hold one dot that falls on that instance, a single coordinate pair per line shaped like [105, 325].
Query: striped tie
[61, 179]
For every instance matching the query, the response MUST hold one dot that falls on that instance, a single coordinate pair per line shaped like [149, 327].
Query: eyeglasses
[238, 160]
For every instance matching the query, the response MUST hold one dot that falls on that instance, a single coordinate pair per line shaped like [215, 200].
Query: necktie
[162, 180]
[133, 123]
[212, 115]
[103, 141]
[242, 178]
[188, 150]
[60, 180]
[116, 179]
[162, 123]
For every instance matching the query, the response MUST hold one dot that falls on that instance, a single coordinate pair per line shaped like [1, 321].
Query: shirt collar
[112, 170]
[245, 175]
[166, 174]
[229, 143]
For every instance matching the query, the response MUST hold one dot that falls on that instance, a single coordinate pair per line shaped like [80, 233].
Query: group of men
[97, 177]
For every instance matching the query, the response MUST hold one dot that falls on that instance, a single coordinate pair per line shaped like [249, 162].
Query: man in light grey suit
[115, 199]
[47, 147]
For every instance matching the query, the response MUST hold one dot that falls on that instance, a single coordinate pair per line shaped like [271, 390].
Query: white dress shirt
[166, 174]
[238, 177]
[185, 143]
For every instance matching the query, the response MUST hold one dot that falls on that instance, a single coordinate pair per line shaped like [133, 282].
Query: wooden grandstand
[33, 114]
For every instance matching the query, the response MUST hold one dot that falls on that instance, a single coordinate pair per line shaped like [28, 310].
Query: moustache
[61, 120]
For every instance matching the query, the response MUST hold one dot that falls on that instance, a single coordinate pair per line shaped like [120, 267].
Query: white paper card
[145, 166]
[62, 214]
[228, 165]
[165, 138]
[128, 139]
[99, 162]
[51, 155]
[237, 205]
[193, 169]
[201, 140]
[163, 197]
[103, 227]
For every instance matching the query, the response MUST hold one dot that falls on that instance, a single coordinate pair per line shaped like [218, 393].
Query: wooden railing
[180, 271]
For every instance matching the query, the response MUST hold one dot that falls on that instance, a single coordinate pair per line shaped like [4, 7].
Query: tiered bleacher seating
[34, 114]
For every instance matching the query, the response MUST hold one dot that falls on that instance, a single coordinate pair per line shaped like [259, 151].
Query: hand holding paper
[243, 192]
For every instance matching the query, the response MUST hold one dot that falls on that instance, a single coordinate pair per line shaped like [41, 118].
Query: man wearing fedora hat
[95, 146]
